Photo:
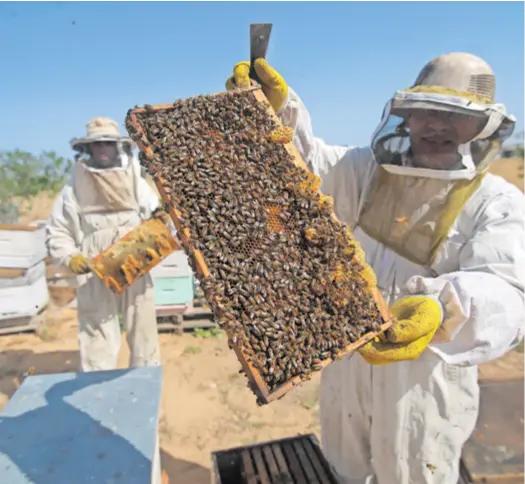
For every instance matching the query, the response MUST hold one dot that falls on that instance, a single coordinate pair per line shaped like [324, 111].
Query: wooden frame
[258, 383]
[292, 459]
[23, 228]
[130, 249]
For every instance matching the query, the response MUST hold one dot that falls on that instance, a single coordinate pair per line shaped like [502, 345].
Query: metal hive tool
[162, 151]
[296, 460]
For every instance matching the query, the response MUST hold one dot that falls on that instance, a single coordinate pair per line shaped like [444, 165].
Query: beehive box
[282, 275]
[72, 428]
[295, 460]
[135, 254]
[22, 246]
[24, 296]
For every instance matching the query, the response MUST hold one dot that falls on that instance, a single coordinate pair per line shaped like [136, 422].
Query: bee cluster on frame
[283, 276]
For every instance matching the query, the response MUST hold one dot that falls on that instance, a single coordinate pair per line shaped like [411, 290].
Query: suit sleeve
[63, 231]
[484, 300]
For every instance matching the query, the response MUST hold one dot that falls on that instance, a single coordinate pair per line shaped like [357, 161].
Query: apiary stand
[258, 384]
[83, 427]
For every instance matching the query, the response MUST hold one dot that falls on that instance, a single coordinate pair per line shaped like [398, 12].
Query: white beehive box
[22, 246]
[175, 265]
[26, 295]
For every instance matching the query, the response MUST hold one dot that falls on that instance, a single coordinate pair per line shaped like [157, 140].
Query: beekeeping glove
[418, 319]
[161, 215]
[273, 85]
[79, 264]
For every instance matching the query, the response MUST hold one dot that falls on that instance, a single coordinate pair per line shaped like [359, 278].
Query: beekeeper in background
[105, 198]
[446, 241]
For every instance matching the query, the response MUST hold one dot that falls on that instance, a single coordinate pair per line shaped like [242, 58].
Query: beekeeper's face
[436, 135]
[104, 154]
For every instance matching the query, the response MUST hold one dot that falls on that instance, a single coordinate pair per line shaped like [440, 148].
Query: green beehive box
[173, 290]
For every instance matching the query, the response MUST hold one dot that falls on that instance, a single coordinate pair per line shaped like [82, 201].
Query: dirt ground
[206, 405]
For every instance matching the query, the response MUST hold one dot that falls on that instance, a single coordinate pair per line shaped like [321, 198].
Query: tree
[24, 175]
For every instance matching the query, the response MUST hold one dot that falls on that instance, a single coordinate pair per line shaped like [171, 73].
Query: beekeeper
[105, 198]
[446, 241]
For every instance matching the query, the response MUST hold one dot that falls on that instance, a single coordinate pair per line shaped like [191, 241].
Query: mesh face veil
[446, 125]
[112, 160]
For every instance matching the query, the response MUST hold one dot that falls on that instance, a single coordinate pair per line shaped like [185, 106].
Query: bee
[250, 209]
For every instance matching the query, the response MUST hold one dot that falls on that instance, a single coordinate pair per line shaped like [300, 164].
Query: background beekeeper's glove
[418, 319]
[162, 215]
[79, 264]
[273, 85]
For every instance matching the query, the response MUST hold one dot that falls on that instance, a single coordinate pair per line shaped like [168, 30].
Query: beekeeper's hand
[79, 264]
[418, 319]
[273, 85]
[162, 215]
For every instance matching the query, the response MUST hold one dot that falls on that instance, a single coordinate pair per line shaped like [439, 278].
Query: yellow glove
[273, 85]
[418, 319]
[162, 216]
[79, 264]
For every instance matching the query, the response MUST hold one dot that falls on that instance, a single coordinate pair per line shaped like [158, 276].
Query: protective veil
[99, 205]
[454, 234]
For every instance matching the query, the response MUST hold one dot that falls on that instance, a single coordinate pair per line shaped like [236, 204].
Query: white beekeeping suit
[446, 241]
[105, 198]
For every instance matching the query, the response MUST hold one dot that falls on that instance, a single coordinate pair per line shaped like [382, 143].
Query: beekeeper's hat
[101, 129]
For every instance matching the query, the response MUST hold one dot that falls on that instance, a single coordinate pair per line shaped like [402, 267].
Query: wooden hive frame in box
[255, 378]
[292, 460]
[135, 254]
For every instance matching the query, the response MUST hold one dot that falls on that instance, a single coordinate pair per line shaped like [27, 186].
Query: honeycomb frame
[257, 382]
[137, 252]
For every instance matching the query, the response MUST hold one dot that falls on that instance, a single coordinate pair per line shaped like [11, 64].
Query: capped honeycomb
[134, 255]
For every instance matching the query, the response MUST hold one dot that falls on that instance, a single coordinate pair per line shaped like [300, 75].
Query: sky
[63, 63]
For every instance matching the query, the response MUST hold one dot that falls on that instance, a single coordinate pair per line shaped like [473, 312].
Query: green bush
[24, 175]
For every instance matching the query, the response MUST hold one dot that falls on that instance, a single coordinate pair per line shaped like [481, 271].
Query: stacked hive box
[173, 281]
[23, 286]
